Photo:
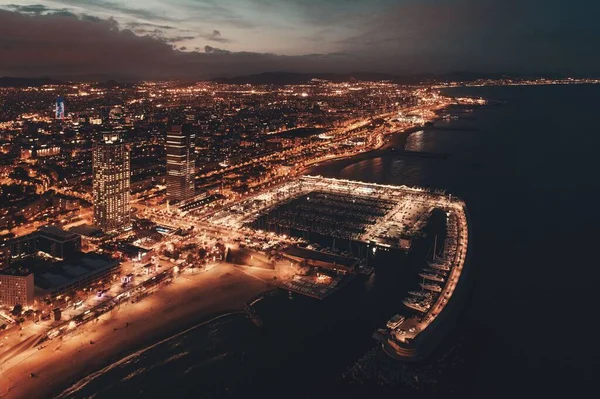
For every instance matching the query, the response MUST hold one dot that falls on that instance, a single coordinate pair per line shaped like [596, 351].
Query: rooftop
[67, 272]
[320, 256]
[86, 230]
[57, 233]
[15, 272]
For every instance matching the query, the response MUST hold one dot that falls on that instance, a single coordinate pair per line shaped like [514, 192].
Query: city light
[118, 198]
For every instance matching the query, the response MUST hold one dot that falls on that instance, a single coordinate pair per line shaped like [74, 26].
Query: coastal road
[168, 311]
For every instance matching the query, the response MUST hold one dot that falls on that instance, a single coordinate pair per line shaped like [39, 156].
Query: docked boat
[420, 294]
[442, 273]
[439, 266]
[421, 307]
[437, 262]
[432, 277]
[431, 287]
[395, 321]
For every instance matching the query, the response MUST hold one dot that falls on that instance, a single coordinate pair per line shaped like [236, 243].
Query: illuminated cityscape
[116, 200]
[180, 216]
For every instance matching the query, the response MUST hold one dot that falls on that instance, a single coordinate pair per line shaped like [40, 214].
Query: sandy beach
[188, 301]
[395, 140]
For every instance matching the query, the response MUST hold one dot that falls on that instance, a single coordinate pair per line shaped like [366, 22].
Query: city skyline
[204, 39]
[297, 198]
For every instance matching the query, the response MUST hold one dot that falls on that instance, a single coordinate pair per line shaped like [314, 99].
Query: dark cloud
[144, 25]
[120, 7]
[40, 9]
[214, 50]
[482, 35]
[154, 30]
[175, 39]
[73, 48]
[389, 36]
[148, 32]
[36, 9]
[215, 36]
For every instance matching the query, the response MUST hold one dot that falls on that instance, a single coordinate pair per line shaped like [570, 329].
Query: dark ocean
[525, 167]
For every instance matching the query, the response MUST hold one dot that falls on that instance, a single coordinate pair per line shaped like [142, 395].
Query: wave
[175, 357]
[206, 362]
[69, 392]
[133, 374]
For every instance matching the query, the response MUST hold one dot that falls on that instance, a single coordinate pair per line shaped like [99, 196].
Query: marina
[418, 335]
[339, 227]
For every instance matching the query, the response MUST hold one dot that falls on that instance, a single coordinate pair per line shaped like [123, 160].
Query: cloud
[66, 47]
[213, 50]
[483, 35]
[91, 38]
[120, 8]
[36, 9]
[175, 39]
[144, 25]
[215, 36]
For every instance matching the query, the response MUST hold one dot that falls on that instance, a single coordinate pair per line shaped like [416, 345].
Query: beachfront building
[111, 180]
[51, 240]
[181, 163]
[83, 271]
[16, 288]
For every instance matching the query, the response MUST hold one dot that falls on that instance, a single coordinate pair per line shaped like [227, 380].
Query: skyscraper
[60, 108]
[181, 163]
[111, 175]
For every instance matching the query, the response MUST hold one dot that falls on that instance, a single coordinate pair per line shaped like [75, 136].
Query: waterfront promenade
[409, 340]
[189, 300]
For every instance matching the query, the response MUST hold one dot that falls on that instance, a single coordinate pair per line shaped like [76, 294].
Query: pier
[418, 336]
[332, 224]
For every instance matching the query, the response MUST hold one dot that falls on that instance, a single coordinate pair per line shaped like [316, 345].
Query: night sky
[131, 39]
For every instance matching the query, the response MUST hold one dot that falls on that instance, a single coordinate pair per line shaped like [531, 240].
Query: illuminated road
[189, 299]
[305, 155]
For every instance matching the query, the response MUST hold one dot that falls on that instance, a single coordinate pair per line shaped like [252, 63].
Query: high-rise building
[60, 108]
[181, 163]
[111, 175]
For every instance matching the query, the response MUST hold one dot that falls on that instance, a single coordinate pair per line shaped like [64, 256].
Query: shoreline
[63, 364]
[83, 382]
[396, 139]
[188, 303]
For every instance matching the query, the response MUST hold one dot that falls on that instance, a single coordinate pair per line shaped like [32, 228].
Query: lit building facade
[60, 108]
[111, 180]
[16, 289]
[181, 163]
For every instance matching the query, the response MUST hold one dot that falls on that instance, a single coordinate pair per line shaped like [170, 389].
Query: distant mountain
[464, 76]
[287, 78]
[112, 84]
[28, 82]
